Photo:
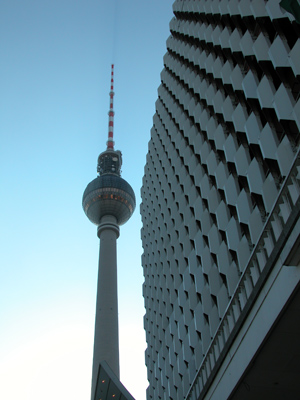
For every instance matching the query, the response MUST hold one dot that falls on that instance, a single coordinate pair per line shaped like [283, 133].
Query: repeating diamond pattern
[222, 165]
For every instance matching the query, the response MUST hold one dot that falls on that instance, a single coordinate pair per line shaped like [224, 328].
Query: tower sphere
[108, 194]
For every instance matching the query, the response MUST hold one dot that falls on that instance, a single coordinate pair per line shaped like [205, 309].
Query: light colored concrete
[106, 342]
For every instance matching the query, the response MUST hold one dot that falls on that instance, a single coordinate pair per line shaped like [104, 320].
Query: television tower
[108, 201]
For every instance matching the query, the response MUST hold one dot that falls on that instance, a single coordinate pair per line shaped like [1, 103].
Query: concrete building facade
[220, 206]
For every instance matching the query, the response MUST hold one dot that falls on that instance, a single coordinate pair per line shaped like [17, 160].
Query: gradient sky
[54, 85]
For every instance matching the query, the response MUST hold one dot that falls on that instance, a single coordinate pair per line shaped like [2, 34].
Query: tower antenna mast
[110, 142]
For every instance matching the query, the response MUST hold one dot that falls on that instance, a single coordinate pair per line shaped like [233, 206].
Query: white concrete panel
[294, 59]
[224, 259]
[239, 118]
[269, 192]
[278, 52]
[258, 8]
[284, 156]
[261, 47]
[233, 234]
[283, 103]
[268, 142]
[246, 41]
[255, 225]
[231, 191]
[236, 78]
[255, 177]
[266, 92]
[223, 216]
[234, 41]
[221, 175]
[250, 84]
[244, 207]
[253, 128]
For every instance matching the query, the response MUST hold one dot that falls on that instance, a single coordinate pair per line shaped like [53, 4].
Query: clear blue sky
[54, 84]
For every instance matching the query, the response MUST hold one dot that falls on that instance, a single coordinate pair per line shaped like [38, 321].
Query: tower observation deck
[108, 201]
[109, 194]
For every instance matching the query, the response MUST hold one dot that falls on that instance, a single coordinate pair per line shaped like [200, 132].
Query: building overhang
[108, 386]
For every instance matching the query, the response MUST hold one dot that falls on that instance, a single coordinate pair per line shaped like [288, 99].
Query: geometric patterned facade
[221, 183]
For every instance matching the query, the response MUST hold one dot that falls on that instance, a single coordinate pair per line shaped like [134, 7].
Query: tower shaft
[106, 342]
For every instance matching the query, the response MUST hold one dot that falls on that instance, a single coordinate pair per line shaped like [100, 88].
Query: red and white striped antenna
[110, 142]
